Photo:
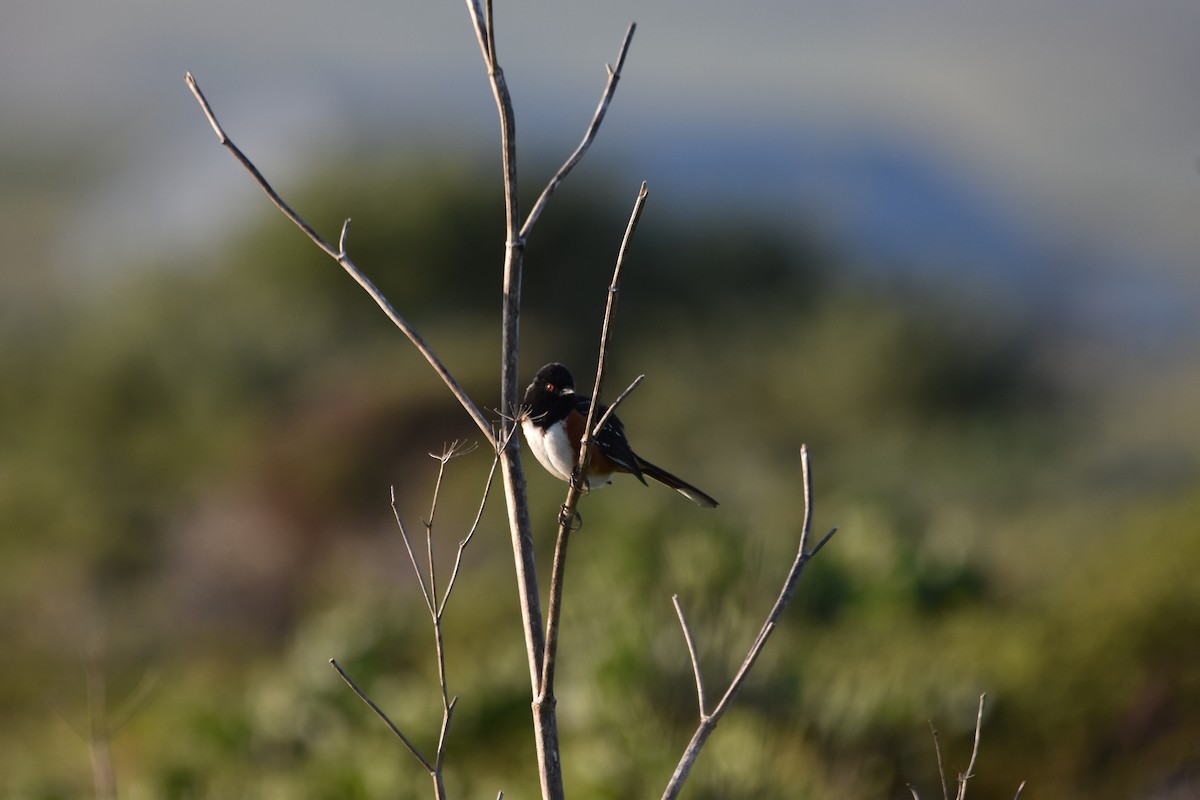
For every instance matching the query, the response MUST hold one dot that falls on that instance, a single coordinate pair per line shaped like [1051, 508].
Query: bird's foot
[571, 522]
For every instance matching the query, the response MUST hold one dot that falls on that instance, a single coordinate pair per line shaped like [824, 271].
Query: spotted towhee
[553, 423]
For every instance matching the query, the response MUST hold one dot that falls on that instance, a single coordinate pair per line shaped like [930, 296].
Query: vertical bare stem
[566, 518]
[521, 530]
[970, 773]
[545, 721]
[937, 749]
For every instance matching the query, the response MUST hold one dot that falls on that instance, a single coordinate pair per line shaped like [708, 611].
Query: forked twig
[708, 723]
[340, 255]
[436, 607]
[501, 446]
[963, 777]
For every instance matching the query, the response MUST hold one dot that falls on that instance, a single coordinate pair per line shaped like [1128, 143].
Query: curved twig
[691, 646]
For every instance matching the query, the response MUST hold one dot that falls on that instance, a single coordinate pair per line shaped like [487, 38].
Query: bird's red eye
[549, 387]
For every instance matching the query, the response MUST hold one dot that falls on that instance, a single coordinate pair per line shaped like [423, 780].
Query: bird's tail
[683, 487]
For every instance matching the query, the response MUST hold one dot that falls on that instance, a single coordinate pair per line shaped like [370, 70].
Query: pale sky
[1081, 118]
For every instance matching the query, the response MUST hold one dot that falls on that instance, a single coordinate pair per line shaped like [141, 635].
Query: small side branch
[427, 581]
[501, 446]
[614, 77]
[965, 776]
[691, 646]
[379, 712]
[340, 255]
[708, 723]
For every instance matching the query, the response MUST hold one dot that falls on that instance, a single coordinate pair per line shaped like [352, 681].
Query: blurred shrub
[195, 469]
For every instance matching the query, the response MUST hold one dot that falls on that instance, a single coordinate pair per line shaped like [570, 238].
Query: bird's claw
[572, 522]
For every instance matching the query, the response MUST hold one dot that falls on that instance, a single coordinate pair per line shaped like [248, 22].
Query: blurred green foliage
[194, 476]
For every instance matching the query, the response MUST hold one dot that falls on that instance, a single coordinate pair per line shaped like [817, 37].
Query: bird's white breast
[551, 447]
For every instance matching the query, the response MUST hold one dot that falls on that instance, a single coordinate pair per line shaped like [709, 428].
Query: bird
[553, 421]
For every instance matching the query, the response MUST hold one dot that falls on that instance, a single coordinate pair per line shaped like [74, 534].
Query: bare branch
[482, 25]
[970, 773]
[913, 790]
[937, 748]
[379, 713]
[339, 255]
[462, 545]
[453, 450]
[614, 77]
[411, 556]
[520, 527]
[430, 592]
[447, 714]
[554, 611]
[1020, 791]
[608, 412]
[691, 646]
[709, 723]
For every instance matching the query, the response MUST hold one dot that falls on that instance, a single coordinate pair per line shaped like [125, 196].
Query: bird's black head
[551, 393]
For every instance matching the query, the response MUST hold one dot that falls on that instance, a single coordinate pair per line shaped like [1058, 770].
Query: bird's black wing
[611, 438]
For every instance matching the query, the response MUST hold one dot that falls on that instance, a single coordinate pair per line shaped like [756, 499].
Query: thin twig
[608, 412]
[970, 773]
[691, 646]
[614, 77]
[913, 791]
[575, 491]
[379, 713]
[453, 450]
[411, 555]
[937, 748]
[707, 724]
[448, 453]
[447, 714]
[341, 257]
[462, 545]
[1020, 791]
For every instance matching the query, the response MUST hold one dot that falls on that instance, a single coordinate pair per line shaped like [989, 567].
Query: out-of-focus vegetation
[194, 474]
